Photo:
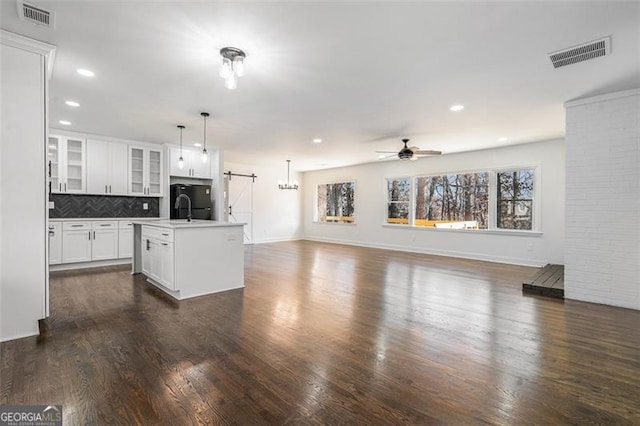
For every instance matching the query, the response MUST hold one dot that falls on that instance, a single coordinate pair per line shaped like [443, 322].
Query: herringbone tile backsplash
[81, 206]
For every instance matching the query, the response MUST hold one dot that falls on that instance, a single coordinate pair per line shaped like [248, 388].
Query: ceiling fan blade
[427, 152]
[386, 152]
[386, 157]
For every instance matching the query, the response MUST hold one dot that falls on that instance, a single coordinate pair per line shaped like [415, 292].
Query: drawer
[104, 224]
[76, 226]
[125, 224]
[156, 233]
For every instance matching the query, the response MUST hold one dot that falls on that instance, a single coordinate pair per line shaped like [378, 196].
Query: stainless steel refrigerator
[201, 205]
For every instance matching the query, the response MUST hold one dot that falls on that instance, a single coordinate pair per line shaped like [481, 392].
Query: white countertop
[94, 219]
[182, 223]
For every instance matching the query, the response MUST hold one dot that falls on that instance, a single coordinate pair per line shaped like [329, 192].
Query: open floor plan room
[327, 334]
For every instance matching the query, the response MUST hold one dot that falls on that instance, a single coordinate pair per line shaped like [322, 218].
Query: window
[398, 198]
[453, 201]
[336, 202]
[515, 199]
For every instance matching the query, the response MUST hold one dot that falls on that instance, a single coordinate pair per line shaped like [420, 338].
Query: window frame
[316, 215]
[410, 202]
[492, 228]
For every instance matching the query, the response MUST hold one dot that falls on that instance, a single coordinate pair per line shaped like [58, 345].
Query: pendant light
[205, 154]
[288, 184]
[181, 160]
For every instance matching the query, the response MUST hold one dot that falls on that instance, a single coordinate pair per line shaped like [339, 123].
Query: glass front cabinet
[67, 163]
[145, 171]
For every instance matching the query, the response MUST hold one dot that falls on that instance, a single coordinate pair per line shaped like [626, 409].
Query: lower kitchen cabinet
[104, 244]
[125, 240]
[76, 245]
[55, 243]
[157, 257]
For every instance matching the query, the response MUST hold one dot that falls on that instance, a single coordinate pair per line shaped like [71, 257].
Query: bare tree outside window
[453, 199]
[515, 199]
[336, 202]
[398, 197]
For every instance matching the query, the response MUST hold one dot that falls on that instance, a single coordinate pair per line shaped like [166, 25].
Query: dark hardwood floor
[329, 334]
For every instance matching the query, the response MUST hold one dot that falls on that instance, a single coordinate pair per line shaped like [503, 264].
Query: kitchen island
[188, 259]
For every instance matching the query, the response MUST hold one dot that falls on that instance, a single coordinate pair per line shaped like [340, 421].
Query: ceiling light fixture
[317, 140]
[232, 66]
[502, 139]
[72, 104]
[85, 72]
[197, 144]
[180, 160]
[65, 122]
[456, 108]
[288, 184]
[204, 139]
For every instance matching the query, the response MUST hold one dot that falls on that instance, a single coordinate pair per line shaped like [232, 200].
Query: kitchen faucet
[178, 198]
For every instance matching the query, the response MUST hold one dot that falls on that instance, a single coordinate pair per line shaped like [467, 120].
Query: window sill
[515, 232]
[334, 223]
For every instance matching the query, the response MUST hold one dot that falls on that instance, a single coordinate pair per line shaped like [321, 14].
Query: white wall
[369, 230]
[277, 213]
[23, 277]
[603, 199]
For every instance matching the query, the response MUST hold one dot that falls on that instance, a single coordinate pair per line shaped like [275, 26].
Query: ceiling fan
[408, 153]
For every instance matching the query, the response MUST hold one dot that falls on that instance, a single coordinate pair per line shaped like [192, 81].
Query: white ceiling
[358, 75]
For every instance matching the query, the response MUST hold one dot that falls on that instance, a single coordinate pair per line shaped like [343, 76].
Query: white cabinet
[193, 164]
[67, 164]
[106, 167]
[55, 243]
[145, 171]
[158, 256]
[125, 239]
[76, 242]
[104, 240]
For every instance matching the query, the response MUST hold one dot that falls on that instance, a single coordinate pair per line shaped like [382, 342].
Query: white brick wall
[602, 240]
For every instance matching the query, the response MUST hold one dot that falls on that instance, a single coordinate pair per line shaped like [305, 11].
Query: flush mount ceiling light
[232, 66]
[317, 140]
[502, 139]
[456, 108]
[180, 160]
[288, 184]
[65, 122]
[85, 72]
[205, 154]
[72, 104]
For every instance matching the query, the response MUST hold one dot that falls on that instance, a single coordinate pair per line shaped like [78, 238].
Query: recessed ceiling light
[502, 139]
[86, 73]
[456, 108]
[197, 144]
[72, 103]
[65, 122]
[317, 140]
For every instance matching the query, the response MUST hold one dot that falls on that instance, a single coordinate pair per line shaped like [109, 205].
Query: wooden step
[548, 281]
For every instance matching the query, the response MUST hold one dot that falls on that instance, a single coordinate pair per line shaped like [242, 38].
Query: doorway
[239, 191]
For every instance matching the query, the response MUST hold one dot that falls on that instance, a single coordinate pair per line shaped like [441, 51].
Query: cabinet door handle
[104, 224]
[109, 189]
[76, 226]
[65, 187]
[148, 244]
[89, 235]
[94, 235]
[49, 187]
[60, 187]
[166, 235]
[105, 189]
[165, 244]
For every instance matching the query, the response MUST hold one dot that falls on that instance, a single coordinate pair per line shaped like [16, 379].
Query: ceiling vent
[580, 53]
[35, 15]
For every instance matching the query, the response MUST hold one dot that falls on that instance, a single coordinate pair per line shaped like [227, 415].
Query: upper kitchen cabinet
[145, 171]
[67, 164]
[106, 168]
[193, 165]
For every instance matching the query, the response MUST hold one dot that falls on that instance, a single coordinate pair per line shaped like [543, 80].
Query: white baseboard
[92, 264]
[277, 240]
[447, 253]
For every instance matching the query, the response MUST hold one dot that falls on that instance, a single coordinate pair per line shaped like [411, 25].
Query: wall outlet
[145, 206]
[51, 205]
